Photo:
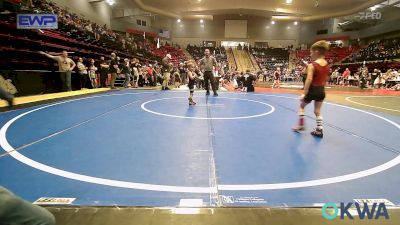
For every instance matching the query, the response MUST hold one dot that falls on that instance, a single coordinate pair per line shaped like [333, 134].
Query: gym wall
[258, 30]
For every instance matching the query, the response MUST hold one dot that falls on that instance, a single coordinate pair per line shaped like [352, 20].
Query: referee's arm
[202, 65]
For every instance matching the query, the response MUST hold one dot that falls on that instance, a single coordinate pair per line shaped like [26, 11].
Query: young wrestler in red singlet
[277, 78]
[314, 88]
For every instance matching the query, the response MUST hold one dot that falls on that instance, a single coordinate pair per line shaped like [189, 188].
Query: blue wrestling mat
[150, 148]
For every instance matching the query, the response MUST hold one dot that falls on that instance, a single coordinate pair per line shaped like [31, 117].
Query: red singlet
[321, 74]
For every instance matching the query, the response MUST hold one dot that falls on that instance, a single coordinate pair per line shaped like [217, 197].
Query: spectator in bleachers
[135, 72]
[270, 58]
[92, 73]
[345, 76]
[151, 76]
[92, 39]
[158, 75]
[83, 73]
[363, 77]
[113, 69]
[386, 49]
[177, 78]
[141, 78]
[103, 72]
[379, 81]
[182, 72]
[126, 71]
[334, 76]
[166, 66]
[65, 66]
[374, 75]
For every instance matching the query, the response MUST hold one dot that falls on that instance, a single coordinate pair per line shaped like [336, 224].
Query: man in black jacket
[14, 210]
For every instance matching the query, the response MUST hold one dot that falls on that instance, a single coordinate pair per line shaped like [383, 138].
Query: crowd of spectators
[270, 58]
[385, 49]
[135, 50]
[83, 29]
[365, 77]
[149, 71]
[239, 81]
[80, 28]
[197, 52]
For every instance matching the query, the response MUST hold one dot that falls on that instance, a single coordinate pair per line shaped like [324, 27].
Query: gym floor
[149, 148]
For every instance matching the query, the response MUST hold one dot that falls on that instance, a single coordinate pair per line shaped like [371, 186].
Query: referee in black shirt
[206, 64]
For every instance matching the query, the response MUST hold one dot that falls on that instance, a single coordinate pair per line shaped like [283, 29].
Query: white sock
[320, 121]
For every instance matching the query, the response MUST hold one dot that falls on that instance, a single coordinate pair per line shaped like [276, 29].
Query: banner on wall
[164, 34]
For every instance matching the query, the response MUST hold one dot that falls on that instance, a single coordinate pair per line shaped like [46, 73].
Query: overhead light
[280, 17]
[110, 2]
[373, 8]
[295, 23]
[289, 1]
[201, 21]
[198, 0]
[272, 22]
[283, 17]
[179, 20]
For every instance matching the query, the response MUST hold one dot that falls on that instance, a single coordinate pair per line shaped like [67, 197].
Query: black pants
[209, 78]
[373, 78]
[250, 88]
[50, 82]
[141, 81]
[83, 80]
[103, 79]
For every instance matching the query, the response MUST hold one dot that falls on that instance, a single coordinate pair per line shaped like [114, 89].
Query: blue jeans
[127, 80]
